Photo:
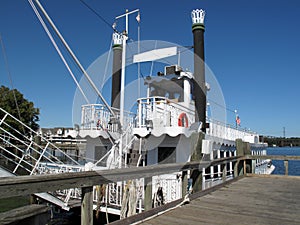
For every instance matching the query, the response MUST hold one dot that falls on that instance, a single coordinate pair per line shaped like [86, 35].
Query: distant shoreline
[281, 141]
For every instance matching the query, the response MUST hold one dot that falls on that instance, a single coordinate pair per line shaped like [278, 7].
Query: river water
[294, 166]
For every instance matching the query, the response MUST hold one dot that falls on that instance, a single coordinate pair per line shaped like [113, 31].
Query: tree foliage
[12, 101]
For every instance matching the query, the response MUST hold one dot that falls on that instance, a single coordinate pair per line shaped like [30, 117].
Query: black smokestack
[198, 29]
[116, 76]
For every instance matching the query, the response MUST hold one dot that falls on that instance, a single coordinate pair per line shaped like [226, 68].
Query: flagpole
[236, 125]
[139, 65]
[122, 96]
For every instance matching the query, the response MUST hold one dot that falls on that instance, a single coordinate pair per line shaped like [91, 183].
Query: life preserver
[98, 123]
[183, 120]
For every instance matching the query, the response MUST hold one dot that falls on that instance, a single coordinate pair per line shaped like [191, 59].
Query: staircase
[136, 155]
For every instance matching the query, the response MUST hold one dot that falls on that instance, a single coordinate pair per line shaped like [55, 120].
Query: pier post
[245, 166]
[196, 175]
[148, 193]
[184, 183]
[238, 168]
[286, 167]
[253, 163]
[235, 169]
[239, 147]
[224, 173]
[87, 206]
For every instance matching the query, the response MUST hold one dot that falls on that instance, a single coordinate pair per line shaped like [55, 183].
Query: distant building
[65, 139]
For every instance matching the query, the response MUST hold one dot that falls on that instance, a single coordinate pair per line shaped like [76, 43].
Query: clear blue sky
[253, 48]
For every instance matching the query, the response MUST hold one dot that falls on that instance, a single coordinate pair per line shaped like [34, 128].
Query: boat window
[172, 90]
[166, 155]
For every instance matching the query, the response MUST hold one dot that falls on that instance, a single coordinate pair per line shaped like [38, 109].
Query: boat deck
[250, 200]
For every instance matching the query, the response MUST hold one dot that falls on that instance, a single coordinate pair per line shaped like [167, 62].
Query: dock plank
[251, 200]
[21, 213]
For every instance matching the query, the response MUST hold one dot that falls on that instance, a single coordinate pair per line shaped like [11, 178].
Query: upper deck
[157, 116]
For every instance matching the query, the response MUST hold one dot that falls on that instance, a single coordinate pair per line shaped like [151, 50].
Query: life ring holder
[183, 120]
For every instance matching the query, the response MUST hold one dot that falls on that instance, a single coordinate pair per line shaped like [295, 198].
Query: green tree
[14, 102]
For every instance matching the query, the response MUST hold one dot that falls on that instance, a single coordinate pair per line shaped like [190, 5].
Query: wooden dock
[245, 199]
[250, 200]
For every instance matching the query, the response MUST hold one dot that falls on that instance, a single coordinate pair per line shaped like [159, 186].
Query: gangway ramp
[45, 196]
[21, 155]
[4, 173]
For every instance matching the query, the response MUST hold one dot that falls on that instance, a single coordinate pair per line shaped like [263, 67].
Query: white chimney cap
[118, 38]
[198, 16]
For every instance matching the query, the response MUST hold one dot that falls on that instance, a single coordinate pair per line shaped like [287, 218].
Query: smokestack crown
[118, 38]
[198, 16]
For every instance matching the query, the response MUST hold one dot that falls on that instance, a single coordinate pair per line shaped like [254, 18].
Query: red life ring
[98, 123]
[183, 120]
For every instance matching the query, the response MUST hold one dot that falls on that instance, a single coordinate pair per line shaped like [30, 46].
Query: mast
[198, 29]
[125, 38]
[122, 96]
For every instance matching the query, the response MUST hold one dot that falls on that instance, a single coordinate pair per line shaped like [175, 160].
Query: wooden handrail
[24, 185]
[272, 157]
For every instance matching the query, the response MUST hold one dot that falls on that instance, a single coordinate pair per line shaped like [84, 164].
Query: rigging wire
[106, 65]
[57, 48]
[129, 38]
[71, 53]
[98, 15]
[220, 105]
[140, 74]
[62, 57]
[10, 80]
[152, 63]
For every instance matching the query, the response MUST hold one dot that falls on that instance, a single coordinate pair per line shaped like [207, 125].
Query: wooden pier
[250, 200]
[245, 199]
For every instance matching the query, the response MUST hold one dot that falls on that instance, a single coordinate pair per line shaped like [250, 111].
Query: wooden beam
[148, 193]
[87, 206]
[23, 185]
[224, 173]
[26, 185]
[273, 157]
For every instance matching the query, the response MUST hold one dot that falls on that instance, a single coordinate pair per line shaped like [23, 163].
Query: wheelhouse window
[171, 89]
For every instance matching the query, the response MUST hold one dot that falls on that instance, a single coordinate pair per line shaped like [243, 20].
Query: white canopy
[155, 54]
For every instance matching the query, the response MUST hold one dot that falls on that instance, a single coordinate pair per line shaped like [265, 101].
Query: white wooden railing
[98, 117]
[225, 131]
[163, 110]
